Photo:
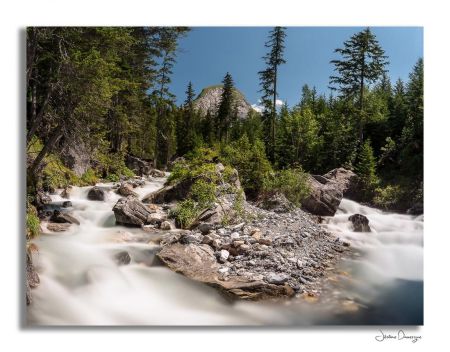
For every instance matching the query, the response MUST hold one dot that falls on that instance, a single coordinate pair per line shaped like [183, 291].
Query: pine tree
[412, 133]
[363, 62]
[268, 82]
[167, 43]
[225, 111]
[186, 123]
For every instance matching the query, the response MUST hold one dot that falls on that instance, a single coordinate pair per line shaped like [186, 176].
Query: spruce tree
[366, 169]
[268, 82]
[225, 111]
[363, 62]
[186, 124]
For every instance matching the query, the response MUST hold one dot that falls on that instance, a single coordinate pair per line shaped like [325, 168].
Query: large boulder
[170, 193]
[360, 223]
[198, 262]
[138, 166]
[324, 198]
[130, 211]
[76, 154]
[346, 181]
[63, 217]
[96, 193]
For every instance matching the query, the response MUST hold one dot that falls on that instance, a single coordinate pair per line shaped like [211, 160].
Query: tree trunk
[48, 147]
[274, 114]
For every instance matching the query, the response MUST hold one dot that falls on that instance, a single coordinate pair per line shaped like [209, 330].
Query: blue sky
[207, 53]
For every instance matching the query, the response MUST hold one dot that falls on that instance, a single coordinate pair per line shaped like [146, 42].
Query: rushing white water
[82, 285]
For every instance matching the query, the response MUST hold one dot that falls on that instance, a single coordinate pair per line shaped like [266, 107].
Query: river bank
[82, 283]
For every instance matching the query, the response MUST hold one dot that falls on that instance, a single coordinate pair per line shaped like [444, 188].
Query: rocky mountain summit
[209, 100]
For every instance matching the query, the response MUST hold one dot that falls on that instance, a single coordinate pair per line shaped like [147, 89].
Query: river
[81, 284]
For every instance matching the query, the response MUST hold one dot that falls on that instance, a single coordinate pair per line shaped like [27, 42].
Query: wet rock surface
[275, 255]
[62, 217]
[126, 189]
[130, 211]
[96, 193]
[122, 258]
[360, 223]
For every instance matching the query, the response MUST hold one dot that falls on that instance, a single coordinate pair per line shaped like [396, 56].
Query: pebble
[277, 279]
[223, 255]
[235, 235]
[223, 270]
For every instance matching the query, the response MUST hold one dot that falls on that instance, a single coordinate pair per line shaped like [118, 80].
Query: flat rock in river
[198, 262]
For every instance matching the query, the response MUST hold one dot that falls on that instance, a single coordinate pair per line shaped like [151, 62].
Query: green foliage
[362, 63]
[111, 165]
[90, 177]
[299, 140]
[56, 174]
[388, 197]
[293, 183]
[33, 225]
[250, 161]
[204, 193]
[268, 83]
[366, 170]
[185, 213]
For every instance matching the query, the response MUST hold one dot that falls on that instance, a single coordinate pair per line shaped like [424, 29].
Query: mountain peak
[209, 100]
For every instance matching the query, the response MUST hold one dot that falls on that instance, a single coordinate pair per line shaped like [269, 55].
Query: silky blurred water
[82, 285]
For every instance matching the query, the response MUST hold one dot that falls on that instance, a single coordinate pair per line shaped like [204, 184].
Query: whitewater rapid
[81, 284]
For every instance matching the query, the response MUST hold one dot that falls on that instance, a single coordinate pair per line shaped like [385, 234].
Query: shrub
[89, 178]
[33, 225]
[250, 161]
[185, 213]
[204, 193]
[293, 183]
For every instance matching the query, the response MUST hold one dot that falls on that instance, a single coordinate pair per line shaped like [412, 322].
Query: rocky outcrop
[32, 277]
[324, 198]
[62, 217]
[346, 181]
[76, 155]
[138, 166]
[209, 100]
[198, 262]
[277, 255]
[96, 193]
[360, 223]
[130, 211]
